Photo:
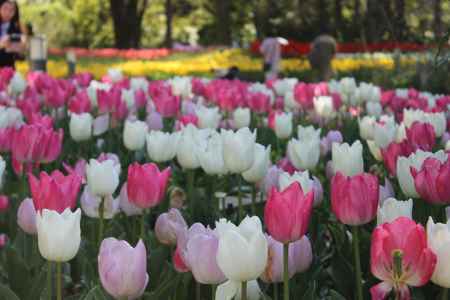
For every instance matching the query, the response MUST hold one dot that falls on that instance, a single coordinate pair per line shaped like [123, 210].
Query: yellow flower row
[218, 59]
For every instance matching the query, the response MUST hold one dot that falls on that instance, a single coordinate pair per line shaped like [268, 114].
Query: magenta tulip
[146, 185]
[287, 213]
[354, 200]
[421, 136]
[4, 203]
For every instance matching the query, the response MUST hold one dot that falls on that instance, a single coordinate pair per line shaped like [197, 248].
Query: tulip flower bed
[191, 188]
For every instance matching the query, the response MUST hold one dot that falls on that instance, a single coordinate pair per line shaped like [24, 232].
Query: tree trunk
[127, 20]
[338, 18]
[400, 21]
[437, 19]
[169, 16]
[223, 21]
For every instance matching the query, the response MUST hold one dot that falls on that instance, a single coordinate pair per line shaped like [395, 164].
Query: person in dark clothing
[12, 41]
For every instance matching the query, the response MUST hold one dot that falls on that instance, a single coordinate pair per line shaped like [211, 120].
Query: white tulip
[347, 159]
[323, 106]
[128, 97]
[10, 116]
[181, 86]
[306, 182]
[391, 208]
[283, 86]
[375, 150]
[366, 127]
[415, 160]
[2, 170]
[162, 146]
[241, 255]
[308, 132]
[438, 239]
[59, 235]
[92, 90]
[369, 92]
[241, 117]
[283, 125]
[289, 102]
[210, 155]
[260, 165]
[17, 84]
[134, 134]
[238, 149]
[188, 143]
[90, 205]
[139, 83]
[115, 75]
[80, 126]
[374, 108]
[102, 177]
[401, 133]
[438, 121]
[208, 117]
[384, 134]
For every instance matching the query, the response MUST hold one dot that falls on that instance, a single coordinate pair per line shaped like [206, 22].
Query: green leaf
[38, 285]
[18, 273]
[310, 293]
[95, 293]
[7, 294]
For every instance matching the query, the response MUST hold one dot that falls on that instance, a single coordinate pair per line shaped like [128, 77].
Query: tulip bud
[134, 134]
[391, 208]
[348, 159]
[102, 177]
[161, 146]
[287, 213]
[122, 268]
[208, 117]
[260, 165]
[283, 125]
[59, 235]
[167, 225]
[238, 149]
[26, 216]
[438, 239]
[80, 126]
[354, 200]
[241, 117]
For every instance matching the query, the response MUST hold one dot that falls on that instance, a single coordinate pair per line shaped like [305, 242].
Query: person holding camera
[12, 41]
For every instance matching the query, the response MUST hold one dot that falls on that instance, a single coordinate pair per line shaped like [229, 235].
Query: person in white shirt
[271, 51]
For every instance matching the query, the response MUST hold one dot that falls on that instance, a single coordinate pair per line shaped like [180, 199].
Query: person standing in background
[271, 51]
[12, 41]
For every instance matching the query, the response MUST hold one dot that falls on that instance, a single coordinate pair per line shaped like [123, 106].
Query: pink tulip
[122, 268]
[54, 96]
[300, 258]
[167, 105]
[26, 216]
[392, 152]
[4, 203]
[146, 184]
[259, 102]
[185, 120]
[140, 99]
[83, 79]
[201, 252]
[167, 225]
[55, 191]
[400, 258]
[80, 103]
[178, 262]
[286, 165]
[6, 138]
[354, 200]
[287, 213]
[35, 143]
[421, 136]
[304, 95]
[432, 181]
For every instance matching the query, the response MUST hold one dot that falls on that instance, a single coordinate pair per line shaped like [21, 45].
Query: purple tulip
[168, 224]
[125, 205]
[154, 121]
[201, 251]
[271, 178]
[300, 258]
[386, 191]
[122, 268]
[26, 216]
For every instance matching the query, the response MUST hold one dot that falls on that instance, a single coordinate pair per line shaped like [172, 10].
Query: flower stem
[286, 270]
[358, 274]
[49, 280]
[240, 208]
[275, 291]
[58, 281]
[101, 213]
[244, 290]
[444, 295]
[254, 199]
[198, 292]
[142, 234]
[213, 291]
